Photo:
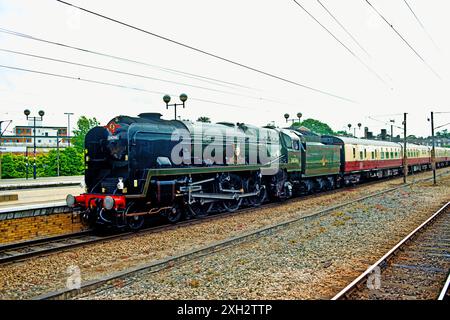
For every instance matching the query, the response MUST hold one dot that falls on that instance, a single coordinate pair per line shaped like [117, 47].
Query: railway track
[132, 274]
[20, 251]
[27, 249]
[416, 268]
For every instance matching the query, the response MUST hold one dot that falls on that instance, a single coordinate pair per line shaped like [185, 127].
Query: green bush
[71, 163]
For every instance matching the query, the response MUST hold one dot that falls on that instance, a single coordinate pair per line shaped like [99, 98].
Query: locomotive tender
[142, 166]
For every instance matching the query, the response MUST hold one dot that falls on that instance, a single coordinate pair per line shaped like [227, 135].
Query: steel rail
[161, 264]
[39, 247]
[347, 291]
[445, 288]
[20, 251]
[53, 244]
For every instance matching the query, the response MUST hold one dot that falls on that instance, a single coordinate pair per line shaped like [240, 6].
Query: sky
[277, 37]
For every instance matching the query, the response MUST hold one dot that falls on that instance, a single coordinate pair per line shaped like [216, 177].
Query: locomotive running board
[220, 196]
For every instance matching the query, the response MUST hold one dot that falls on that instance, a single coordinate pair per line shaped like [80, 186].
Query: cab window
[295, 144]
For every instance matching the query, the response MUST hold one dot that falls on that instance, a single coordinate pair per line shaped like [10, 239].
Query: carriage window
[365, 153]
[361, 155]
[354, 153]
[392, 155]
[373, 155]
[376, 155]
[382, 155]
[387, 155]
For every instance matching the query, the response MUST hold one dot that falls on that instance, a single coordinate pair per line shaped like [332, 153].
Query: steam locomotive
[136, 167]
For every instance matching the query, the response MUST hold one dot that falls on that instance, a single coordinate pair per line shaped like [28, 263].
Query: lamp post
[41, 115]
[286, 116]
[57, 153]
[299, 116]
[1, 134]
[349, 127]
[359, 128]
[68, 126]
[183, 98]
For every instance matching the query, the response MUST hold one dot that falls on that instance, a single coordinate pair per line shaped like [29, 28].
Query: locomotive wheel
[232, 205]
[198, 210]
[253, 185]
[232, 182]
[134, 222]
[173, 214]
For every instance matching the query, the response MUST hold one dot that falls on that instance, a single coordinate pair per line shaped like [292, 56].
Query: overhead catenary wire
[214, 81]
[113, 85]
[343, 28]
[421, 24]
[140, 76]
[386, 123]
[342, 44]
[213, 55]
[404, 40]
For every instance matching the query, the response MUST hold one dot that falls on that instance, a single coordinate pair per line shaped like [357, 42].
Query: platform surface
[40, 195]
[22, 183]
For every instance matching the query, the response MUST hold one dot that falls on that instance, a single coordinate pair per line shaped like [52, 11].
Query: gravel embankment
[308, 260]
[43, 274]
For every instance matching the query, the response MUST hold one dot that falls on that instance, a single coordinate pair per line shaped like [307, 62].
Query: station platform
[47, 182]
[34, 196]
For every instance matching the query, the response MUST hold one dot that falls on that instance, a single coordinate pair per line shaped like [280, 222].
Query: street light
[41, 115]
[183, 98]
[299, 116]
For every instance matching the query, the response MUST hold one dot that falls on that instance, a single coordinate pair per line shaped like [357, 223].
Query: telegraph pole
[405, 158]
[68, 125]
[433, 150]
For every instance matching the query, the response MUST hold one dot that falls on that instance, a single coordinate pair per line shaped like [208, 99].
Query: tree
[342, 133]
[204, 119]
[84, 124]
[315, 126]
[444, 133]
